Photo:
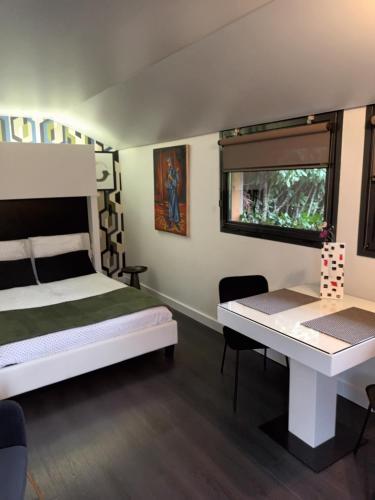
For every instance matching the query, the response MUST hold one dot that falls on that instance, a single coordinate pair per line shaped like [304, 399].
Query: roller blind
[303, 146]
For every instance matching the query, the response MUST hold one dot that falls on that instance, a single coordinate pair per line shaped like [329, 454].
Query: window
[366, 236]
[280, 180]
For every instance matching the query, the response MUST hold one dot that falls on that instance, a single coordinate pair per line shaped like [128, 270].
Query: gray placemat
[278, 301]
[352, 325]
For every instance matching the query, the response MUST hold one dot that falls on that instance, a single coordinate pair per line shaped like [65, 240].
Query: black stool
[134, 271]
[370, 389]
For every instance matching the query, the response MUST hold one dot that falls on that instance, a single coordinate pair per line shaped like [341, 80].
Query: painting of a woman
[172, 184]
[170, 189]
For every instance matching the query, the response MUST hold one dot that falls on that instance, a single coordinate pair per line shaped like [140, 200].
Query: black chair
[370, 389]
[13, 451]
[233, 288]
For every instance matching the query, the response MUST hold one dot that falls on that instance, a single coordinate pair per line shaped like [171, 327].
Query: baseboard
[352, 392]
[203, 318]
[344, 388]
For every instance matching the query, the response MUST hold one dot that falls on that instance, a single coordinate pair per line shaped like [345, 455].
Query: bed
[64, 291]
[60, 318]
[49, 201]
[29, 363]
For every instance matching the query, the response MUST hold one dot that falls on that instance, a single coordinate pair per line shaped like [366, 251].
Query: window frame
[367, 185]
[288, 235]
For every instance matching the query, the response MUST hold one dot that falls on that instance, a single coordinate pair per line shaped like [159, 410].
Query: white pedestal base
[312, 404]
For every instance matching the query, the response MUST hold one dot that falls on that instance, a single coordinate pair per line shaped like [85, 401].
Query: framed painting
[171, 176]
[105, 178]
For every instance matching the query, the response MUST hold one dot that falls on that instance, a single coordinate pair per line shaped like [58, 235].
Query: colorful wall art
[171, 175]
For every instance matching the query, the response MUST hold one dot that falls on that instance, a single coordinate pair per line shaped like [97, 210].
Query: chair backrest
[238, 287]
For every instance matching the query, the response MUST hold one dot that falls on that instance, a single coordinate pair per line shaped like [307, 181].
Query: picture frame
[105, 171]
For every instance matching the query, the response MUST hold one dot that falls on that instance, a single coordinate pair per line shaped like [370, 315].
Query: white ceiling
[146, 71]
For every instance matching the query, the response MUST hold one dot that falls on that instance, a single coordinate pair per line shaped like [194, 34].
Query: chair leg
[236, 381]
[362, 430]
[222, 361]
[265, 359]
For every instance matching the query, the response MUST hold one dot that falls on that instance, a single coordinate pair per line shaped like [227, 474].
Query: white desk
[315, 358]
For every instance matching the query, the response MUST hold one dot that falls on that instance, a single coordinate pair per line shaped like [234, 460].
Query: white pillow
[14, 250]
[48, 246]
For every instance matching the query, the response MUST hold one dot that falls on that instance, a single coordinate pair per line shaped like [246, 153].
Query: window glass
[291, 198]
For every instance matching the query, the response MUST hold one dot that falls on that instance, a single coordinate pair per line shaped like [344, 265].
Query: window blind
[293, 147]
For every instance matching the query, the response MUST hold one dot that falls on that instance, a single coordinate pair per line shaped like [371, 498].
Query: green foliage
[284, 198]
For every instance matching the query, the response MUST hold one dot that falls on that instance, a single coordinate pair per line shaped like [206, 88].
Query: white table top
[289, 322]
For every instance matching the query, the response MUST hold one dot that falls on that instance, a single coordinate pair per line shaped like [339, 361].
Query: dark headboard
[42, 217]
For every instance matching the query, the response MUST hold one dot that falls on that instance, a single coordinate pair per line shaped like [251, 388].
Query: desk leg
[312, 404]
[309, 430]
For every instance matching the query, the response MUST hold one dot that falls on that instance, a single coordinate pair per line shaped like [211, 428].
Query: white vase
[332, 271]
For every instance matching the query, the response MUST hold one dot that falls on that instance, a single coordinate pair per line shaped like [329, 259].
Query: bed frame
[24, 377]
[64, 215]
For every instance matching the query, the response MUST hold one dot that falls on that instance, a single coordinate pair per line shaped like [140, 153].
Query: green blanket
[24, 324]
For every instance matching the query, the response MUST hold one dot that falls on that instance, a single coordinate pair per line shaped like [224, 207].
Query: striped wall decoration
[111, 210]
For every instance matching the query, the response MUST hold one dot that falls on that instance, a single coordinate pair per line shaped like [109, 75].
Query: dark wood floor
[149, 429]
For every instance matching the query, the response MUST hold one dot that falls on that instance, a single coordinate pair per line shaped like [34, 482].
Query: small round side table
[134, 272]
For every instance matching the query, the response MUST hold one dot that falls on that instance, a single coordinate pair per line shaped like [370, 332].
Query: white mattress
[65, 291]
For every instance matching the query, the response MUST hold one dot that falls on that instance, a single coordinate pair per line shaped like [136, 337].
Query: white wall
[187, 270]
[359, 271]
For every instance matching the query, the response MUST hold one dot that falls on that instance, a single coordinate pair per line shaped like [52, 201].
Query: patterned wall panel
[111, 210]
[4, 129]
[22, 129]
[111, 221]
